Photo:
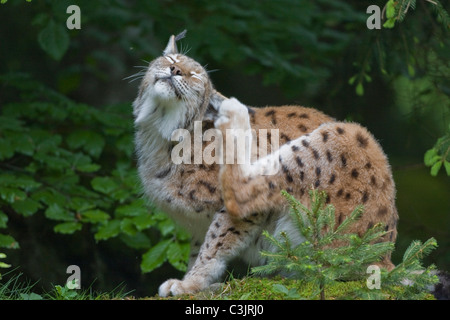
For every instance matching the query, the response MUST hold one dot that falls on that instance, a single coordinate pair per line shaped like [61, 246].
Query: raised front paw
[232, 115]
[176, 287]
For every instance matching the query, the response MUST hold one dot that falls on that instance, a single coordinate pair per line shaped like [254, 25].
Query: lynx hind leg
[225, 239]
[234, 122]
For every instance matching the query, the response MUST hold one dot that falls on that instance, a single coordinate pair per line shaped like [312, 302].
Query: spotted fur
[226, 207]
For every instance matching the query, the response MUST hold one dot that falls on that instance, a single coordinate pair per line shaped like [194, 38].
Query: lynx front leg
[225, 239]
[195, 249]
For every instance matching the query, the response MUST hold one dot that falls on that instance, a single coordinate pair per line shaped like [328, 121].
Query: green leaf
[108, 230]
[56, 212]
[6, 149]
[126, 144]
[435, 168]
[278, 287]
[104, 185]
[447, 167]
[135, 208]
[411, 70]
[128, 227]
[94, 216]
[89, 141]
[3, 220]
[31, 296]
[67, 227]
[26, 207]
[359, 89]
[155, 257]
[352, 80]
[143, 222]
[49, 197]
[9, 242]
[54, 40]
[178, 255]
[20, 142]
[11, 195]
[389, 24]
[430, 157]
[137, 241]
[166, 227]
[390, 9]
[90, 167]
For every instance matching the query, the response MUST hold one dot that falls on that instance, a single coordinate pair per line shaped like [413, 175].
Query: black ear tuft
[171, 47]
[181, 35]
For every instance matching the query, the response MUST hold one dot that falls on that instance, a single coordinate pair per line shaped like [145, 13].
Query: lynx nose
[175, 70]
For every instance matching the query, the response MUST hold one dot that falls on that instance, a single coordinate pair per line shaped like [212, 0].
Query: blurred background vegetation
[69, 193]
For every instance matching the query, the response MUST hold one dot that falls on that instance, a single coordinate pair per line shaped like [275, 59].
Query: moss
[255, 288]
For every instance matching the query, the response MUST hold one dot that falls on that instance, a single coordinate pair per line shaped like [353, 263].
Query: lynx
[226, 206]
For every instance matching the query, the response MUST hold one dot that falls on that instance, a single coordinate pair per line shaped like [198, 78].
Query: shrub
[73, 164]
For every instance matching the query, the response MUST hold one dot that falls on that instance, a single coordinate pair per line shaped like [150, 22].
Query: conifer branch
[317, 261]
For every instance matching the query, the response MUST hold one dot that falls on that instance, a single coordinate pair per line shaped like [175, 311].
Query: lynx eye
[172, 61]
[196, 75]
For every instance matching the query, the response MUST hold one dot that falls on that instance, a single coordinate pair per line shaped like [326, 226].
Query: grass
[255, 288]
[17, 288]
[247, 288]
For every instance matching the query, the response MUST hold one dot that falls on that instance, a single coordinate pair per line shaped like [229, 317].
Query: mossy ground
[255, 288]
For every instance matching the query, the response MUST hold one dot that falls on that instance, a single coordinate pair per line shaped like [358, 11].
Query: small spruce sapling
[316, 261]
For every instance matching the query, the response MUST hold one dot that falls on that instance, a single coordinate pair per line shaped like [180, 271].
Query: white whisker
[137, 76]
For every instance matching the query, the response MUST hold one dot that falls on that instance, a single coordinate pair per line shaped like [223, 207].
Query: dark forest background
[69, 193]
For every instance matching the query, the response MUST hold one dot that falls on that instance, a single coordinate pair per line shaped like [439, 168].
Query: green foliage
[3, 264]
[439, 155]
[390, 14]
[64, 293]
[15, 288]
[4, 1]
[73, 164]
[397, 10]
[417, 279]
[315, 261]
[54, 40]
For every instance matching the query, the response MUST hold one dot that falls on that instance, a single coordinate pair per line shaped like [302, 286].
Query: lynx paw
[232, 115]
[177, 287]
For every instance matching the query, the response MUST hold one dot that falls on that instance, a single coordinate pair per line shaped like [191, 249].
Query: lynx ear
[216, 100]
[213, 106]
[171, 47]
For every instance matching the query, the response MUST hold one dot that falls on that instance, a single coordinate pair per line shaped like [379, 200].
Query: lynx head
[175, 91]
